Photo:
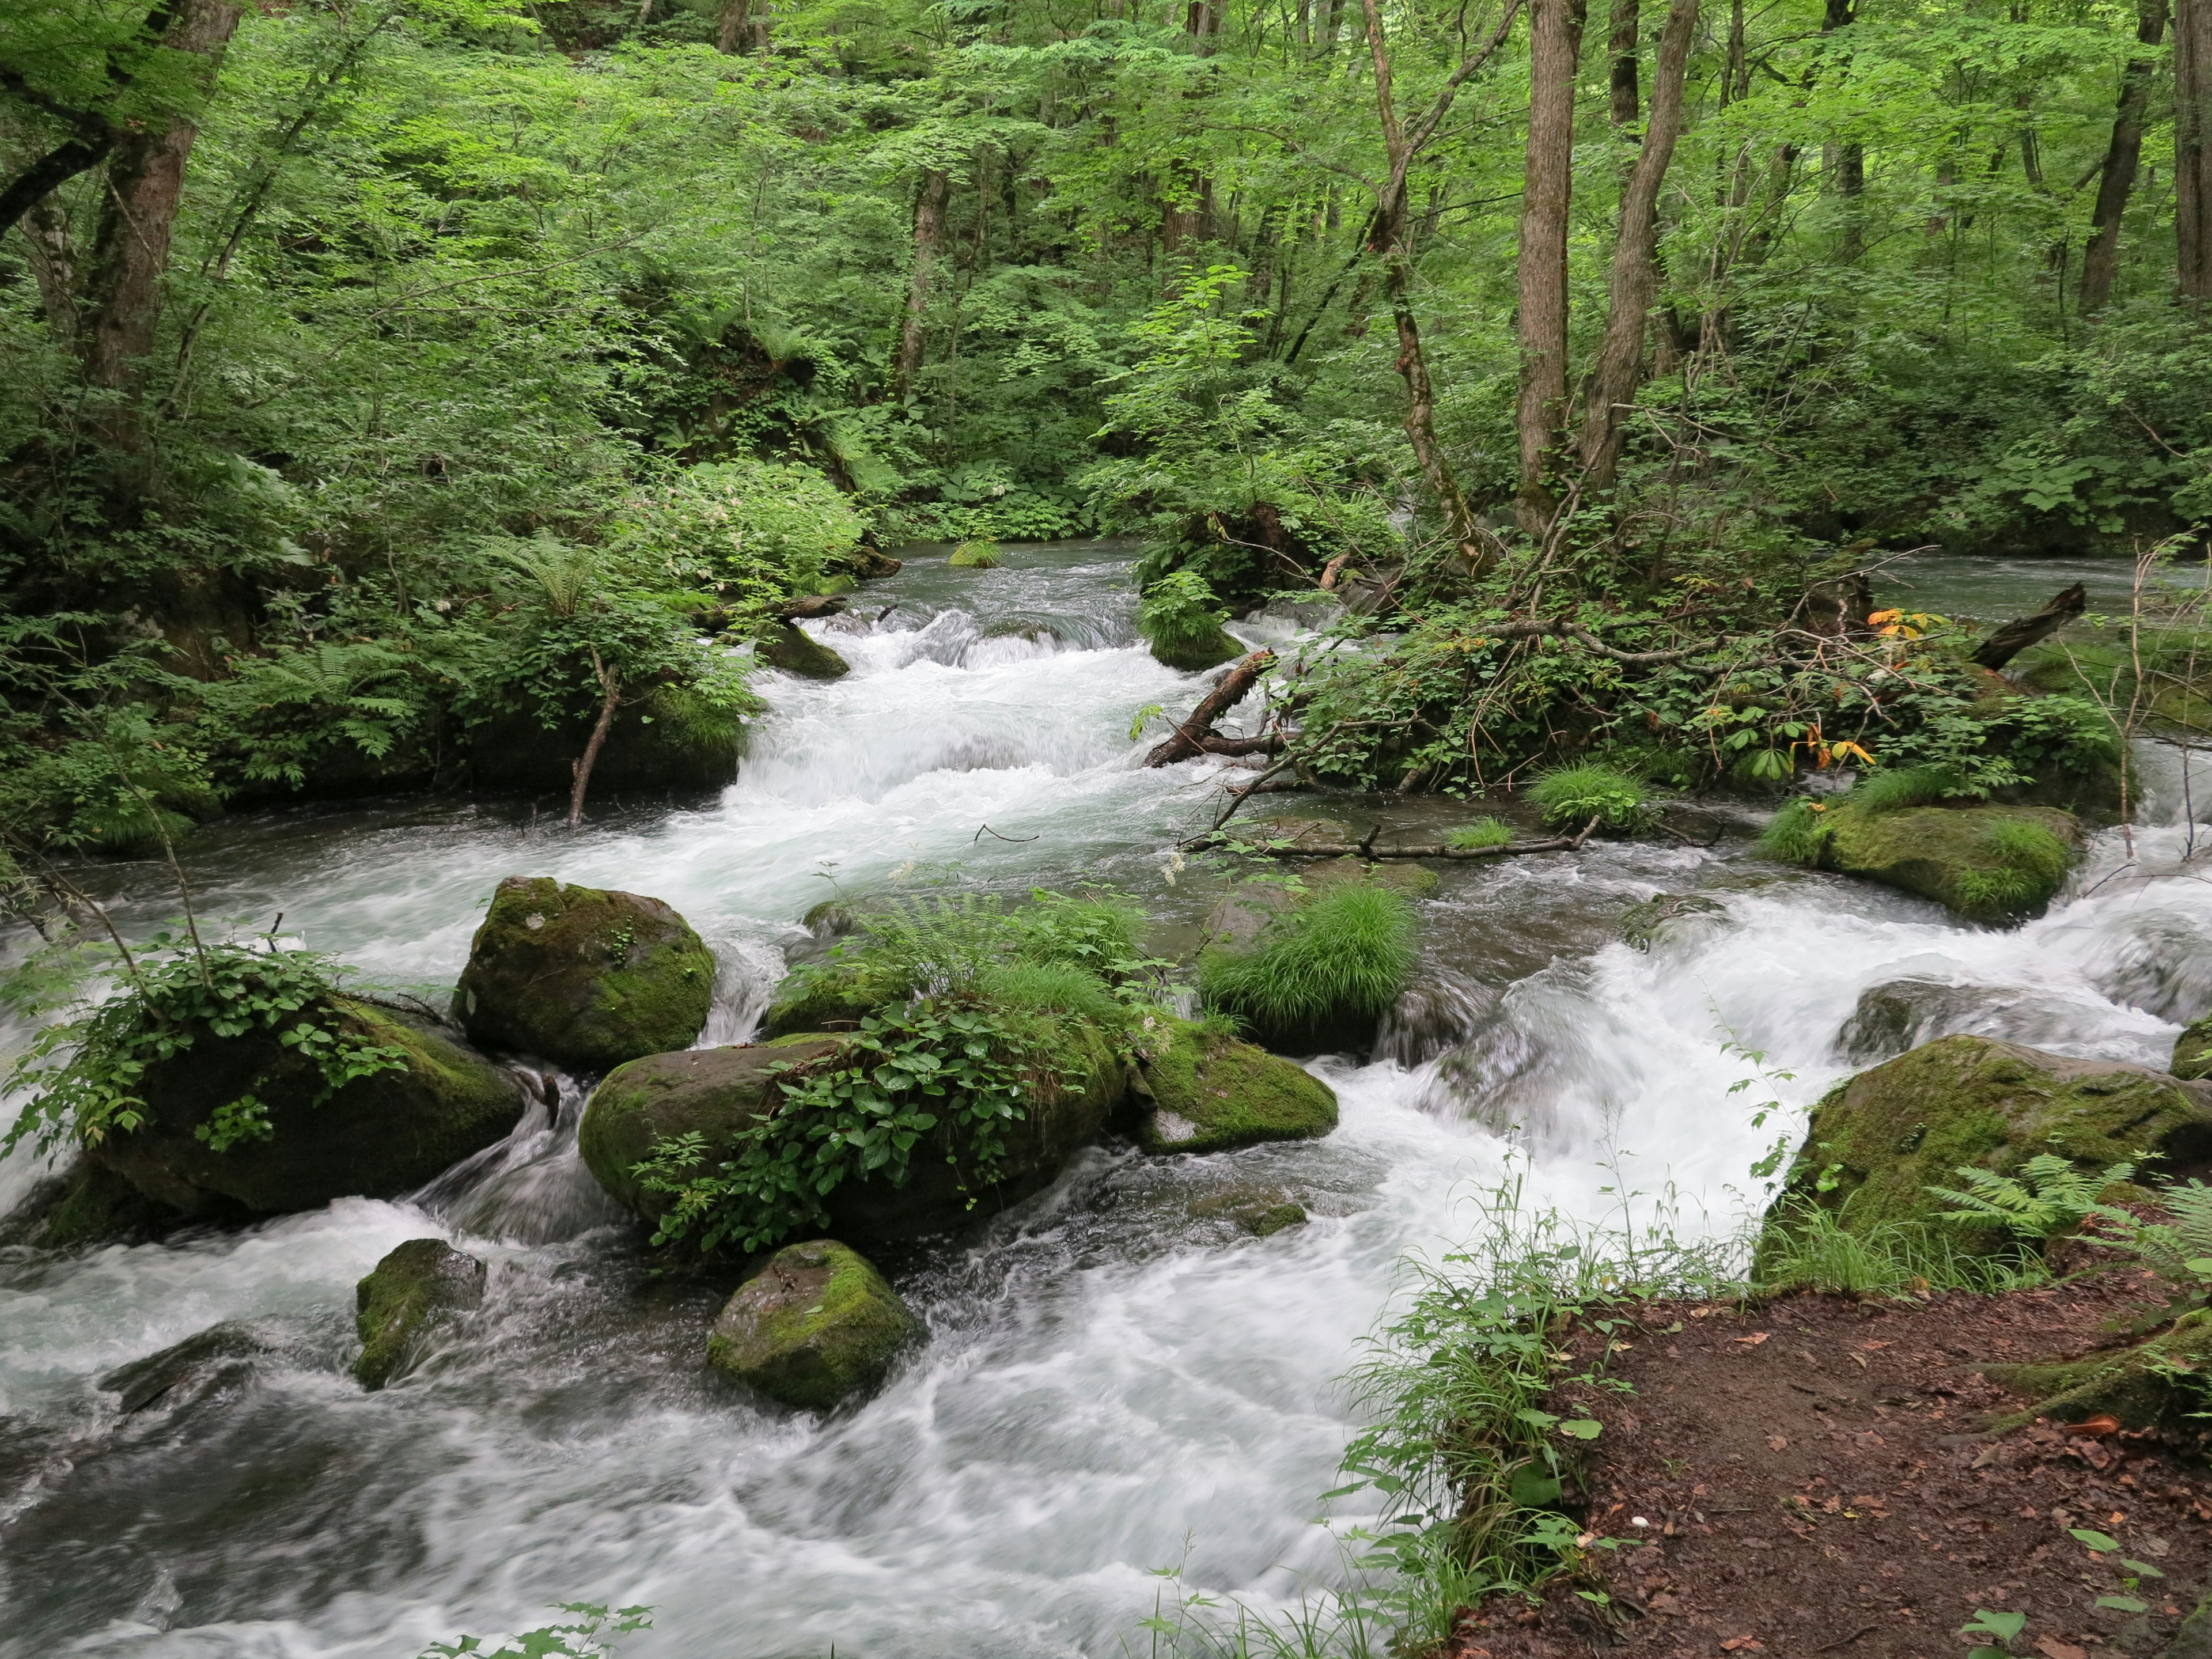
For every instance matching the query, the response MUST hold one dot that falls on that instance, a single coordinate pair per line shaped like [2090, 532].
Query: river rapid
[1115, 1379]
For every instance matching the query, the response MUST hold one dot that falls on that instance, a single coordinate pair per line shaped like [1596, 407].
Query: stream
[1116, 1379]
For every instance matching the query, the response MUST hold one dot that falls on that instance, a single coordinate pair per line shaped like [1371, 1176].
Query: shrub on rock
[1204, 1091]
[415, 1286]
[583, 977]
[1879, 1142]
[816, 1325]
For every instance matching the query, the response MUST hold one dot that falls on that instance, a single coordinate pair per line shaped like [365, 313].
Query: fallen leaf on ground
[2052, 1648]
[2097, 1427]
[1754, 1340]
[1744, 1642]
[1777, 1442]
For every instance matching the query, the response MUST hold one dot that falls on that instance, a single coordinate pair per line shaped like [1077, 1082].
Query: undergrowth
[1570, 796]
[1348, 950]
[1483, 832]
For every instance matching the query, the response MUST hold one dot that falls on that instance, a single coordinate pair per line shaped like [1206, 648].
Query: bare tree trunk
[928, 248]
[145, 187]
[1846, 161]
[2192, 147]
[53, 264]
[2100, 260]
[1635, 257]
[1622, 44]
[733, 28]
[1555, 38]
[581, 767]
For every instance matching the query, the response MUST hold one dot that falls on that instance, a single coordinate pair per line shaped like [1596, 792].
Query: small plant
[2179, 1249]
[1806, 1247]
[593, 1635]
[2003, 1628]
[2025, 864]
[1475, 837]
[1893, 788]
[975, 555]
[1798, 834]
[2049, 1195]
[2104, 1545]
[1348, 951]
[1181, 615]
[1569, 797]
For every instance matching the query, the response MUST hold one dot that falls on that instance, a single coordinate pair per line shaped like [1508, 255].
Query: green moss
[584, 977]
[1878, 1142]
[816, 1325]
[422, 1281]
[1989, 863]
[790, 647]
[1205, 1092]
[833, 995]
[1192, 653]
[2192, 1050]
[2147, 1385]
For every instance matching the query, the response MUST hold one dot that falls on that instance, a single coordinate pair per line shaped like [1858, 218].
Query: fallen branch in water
[1367, 849]
[1196, 736]
[2016, 635]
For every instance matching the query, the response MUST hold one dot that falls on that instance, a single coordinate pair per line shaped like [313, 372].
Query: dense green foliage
[1347, 952]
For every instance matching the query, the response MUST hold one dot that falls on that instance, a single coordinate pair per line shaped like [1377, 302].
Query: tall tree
[1624, 46]
[1846, 163]
[928, 249]
[2192, 148]
[1555, 40]
[2100, 260]
[1619, 368]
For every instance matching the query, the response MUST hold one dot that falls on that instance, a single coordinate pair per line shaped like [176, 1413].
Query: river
[1116, 1380]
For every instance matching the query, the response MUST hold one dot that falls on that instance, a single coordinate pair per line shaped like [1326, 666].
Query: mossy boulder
[835, 995]
[1878, 1141]
[1200, 1091]
[673, 740]
[1193, 651]
[1987, 863]
[377, 1137]
[792, 648]
[2192, 1051]
[416, 1286]
[583, 977]
[714, 1093]
[815, 1326]
[87, 1203]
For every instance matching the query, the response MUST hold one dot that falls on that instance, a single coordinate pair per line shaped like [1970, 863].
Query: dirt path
[1807, 1480]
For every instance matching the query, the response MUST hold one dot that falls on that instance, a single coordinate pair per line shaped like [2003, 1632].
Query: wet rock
[817, 1325]
[1237, 918]
[419, 1284]
[87, 1203]
[790, 647]
[835, 995]
[2192, 1056]
[1201, 1093]
[1877, 1142]
[674, 740]
[867, 563]
[376, 1137]
[1266, 1221]
[1398, 875]
[1987, 863]
[216, 1359]
[1890, 1018]
[2193, 1640]
[1642, 925]
[586, 978]
[1193, 654]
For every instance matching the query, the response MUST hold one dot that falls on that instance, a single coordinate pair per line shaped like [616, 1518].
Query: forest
[1699, 506]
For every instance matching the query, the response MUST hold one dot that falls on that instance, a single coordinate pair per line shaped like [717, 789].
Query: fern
[2048, 1196]
[2179, 1249]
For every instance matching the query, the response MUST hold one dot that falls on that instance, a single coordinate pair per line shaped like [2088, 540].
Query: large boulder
[87, 1203]
[376, 1137]
[1200, 1091]
[832, 995]
[1878, 1141]
[1987, 863]
[2192, 1051]
[817, 1324]
[673, 740]
[717, 1092]
[416, 1286]
[1197, 652]
[793, 649]
[583, 977]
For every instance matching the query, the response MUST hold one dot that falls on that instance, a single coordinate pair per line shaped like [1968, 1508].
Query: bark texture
[2192, 148]
[1555, 37]
[2100, 260]
[928, 248]
[1622, 45]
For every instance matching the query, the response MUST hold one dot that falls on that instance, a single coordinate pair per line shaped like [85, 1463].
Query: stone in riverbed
[584, 977]
[1987, 863]
[2192, 1051]
[793, 649]
[377, 1137]
[415, 1286]
[1201, 1092]
[816, 1325]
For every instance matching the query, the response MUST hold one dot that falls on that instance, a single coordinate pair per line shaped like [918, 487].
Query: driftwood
[2016, 635]
[1196, 736]
[811, 606]
[1367, 849]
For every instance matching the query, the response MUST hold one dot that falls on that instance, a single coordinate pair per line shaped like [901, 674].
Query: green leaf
[1582, 1428]
[2096, 1540]
[2122, 1604]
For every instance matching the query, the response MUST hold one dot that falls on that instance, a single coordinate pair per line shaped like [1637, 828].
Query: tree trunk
[2100, 260]
[581, 767]
[928, 248]
[1196, 735]
[2192, 148]
[733, 28]
[1847, 162]
[1635, 258]
[53, 264]
[1622, 44]
[2016, 635]
[1555, 38]
[145, 186]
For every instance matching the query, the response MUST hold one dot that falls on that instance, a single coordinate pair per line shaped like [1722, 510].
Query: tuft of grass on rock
[1892, 790]
[976, 555]
[1350, 950]
[1798, 834]
[1482, 833]
[1570, 796]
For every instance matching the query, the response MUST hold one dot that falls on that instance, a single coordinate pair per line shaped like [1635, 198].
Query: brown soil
[1811, 1479]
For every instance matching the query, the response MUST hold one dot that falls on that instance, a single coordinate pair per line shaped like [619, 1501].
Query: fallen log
[1196, 736]
[2016, 635]
[1366, 849]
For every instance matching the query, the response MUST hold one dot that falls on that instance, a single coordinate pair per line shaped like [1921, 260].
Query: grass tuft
[1891, 791]
[2026, 864]
[1570, 796]
[1798, 834]
[1483, 832]
[1348, 951]
[1806, 1248]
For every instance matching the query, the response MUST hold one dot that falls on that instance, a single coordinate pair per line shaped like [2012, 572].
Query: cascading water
[1115, 1379]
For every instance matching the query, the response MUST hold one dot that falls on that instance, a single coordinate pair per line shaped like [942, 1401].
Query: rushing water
[1116, 1380]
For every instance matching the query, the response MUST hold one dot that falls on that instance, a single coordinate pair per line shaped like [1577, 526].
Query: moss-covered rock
[415, 1286]
[87, 1203]
[673, 740]
[2192, 1051]
[793, 649]
[376, 1137]
[714, 1093]
[2143, 1385]
[835, 995]
[1988, 863]
[816, 1325]
[1199, 1091]
[581, 977]
[1193, 653]
[1876, 1143]
[975, 555]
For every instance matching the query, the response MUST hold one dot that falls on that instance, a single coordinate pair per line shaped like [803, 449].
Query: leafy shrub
[1476, 836]
[1798, 834]
[593, 1635]
[173, 993]
[1570, 796]
[1350, 950]
[1179, 612]
[2026, 863]
[2179, 1249]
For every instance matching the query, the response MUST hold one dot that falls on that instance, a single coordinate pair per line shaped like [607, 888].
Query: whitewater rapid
[1115, 1379]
